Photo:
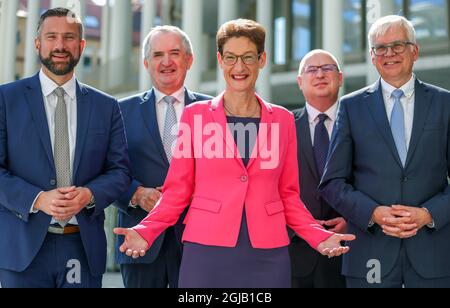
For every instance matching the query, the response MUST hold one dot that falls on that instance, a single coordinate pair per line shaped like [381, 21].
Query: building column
[192, 25]
[147, 23]
[265, 18]
[333, 31]
[105, 44]
[31, 58]
[9, 40]
[165, 12]
[374, 10]
[121, 43]
[228, 10]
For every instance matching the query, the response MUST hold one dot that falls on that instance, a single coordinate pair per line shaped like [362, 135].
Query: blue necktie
[398, 125]
[321, 143]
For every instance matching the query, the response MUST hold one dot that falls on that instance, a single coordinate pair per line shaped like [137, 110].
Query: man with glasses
[387, 169]
[319, 79]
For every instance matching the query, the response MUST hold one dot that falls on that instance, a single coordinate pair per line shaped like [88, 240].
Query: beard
[59, 69]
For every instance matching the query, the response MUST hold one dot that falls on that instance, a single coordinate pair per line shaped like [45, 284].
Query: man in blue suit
[388, 167]
[63, 159]
[149, 119]
[320, 79]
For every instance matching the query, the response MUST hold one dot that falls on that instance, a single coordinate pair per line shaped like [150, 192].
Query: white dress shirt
[406, 100]
[161, 107]
[48, 87]
[313, 119]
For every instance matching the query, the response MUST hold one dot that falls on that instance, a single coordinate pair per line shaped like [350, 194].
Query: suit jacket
[149, 163]
[27, 168]
[217, 184]
[364, 171]
[304, 258]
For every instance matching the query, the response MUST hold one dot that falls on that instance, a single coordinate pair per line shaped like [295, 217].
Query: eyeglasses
[396, 47]
[326, 68]
[248, 58]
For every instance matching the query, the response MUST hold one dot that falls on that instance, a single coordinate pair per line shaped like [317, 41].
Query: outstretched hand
[134, 245]
[331, 247]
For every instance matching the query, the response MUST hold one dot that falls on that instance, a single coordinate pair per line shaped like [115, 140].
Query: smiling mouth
[391, 63]
[168, 71]
[239, 77]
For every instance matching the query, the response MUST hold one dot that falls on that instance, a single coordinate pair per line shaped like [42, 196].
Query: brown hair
[241, 28]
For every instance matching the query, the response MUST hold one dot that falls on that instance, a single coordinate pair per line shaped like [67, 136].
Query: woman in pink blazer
[235, 166]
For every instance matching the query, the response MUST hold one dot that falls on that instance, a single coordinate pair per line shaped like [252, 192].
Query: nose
[166, 60]
[239, 63]
[389, 52]
[320, 73]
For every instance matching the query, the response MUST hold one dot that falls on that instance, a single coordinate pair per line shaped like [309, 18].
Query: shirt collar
[179, 95]
[48, 86]
[407, 88]
[313, 113]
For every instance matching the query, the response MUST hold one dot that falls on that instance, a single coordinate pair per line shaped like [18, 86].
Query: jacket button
[244, 178]
[53, 182]
[405, 179]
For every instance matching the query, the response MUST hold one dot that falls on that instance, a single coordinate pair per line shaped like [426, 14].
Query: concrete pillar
[147, 23]
[228, 10]
[166, 6]
[121, 43]
[31, 58]
[192, 25]
[9, 40]
[374, 10]
[333, 30]
[265, 18]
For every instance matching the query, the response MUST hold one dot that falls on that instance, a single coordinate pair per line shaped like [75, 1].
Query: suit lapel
[83, 116]
[35, 101]
[304, 142]
[218, 114]
[422, 99]
[148, 112]
[264, 131]
[375, 103]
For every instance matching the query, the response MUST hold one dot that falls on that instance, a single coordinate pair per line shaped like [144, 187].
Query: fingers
[160, 189]
[120, 231]
[335, 252]
[65, 190]
[333, 222]
[398, 232]
[393, 221]
[346, 237]
[134, 253]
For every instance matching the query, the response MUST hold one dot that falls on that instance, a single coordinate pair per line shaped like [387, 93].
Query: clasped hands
[401, 221]
[63, 203]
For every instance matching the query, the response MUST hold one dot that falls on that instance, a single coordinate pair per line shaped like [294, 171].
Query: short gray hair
[382, 25]
[146, 48]
[315, 52]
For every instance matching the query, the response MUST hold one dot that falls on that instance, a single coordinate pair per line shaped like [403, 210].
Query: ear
[37, 45]
[373, 57]
[300, 82]
[146, 64]
[262, 60]
[219, 59]
[82, 46]
[416, 52]
[190, 60]
[341, 79]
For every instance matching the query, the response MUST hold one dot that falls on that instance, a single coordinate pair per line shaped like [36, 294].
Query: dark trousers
[60, 263]
[161, 273]
[402, 275]
[326, 274]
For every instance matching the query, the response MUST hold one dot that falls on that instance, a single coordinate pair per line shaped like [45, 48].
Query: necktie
[398, 125]
[321, 143]
[61, 147]
[170, 124]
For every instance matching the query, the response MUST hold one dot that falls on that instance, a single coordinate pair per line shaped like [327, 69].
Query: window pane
[301, 31]
[353, 27]
[430, 20]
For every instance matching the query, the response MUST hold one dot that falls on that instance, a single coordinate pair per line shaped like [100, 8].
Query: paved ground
[112, 280]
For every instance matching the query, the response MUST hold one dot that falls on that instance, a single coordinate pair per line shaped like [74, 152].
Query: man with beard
[63, 160]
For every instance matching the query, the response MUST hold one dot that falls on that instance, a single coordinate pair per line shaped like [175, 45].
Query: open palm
[134, 245]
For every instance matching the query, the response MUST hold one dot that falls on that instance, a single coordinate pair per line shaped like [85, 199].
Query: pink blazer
[208, 174]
